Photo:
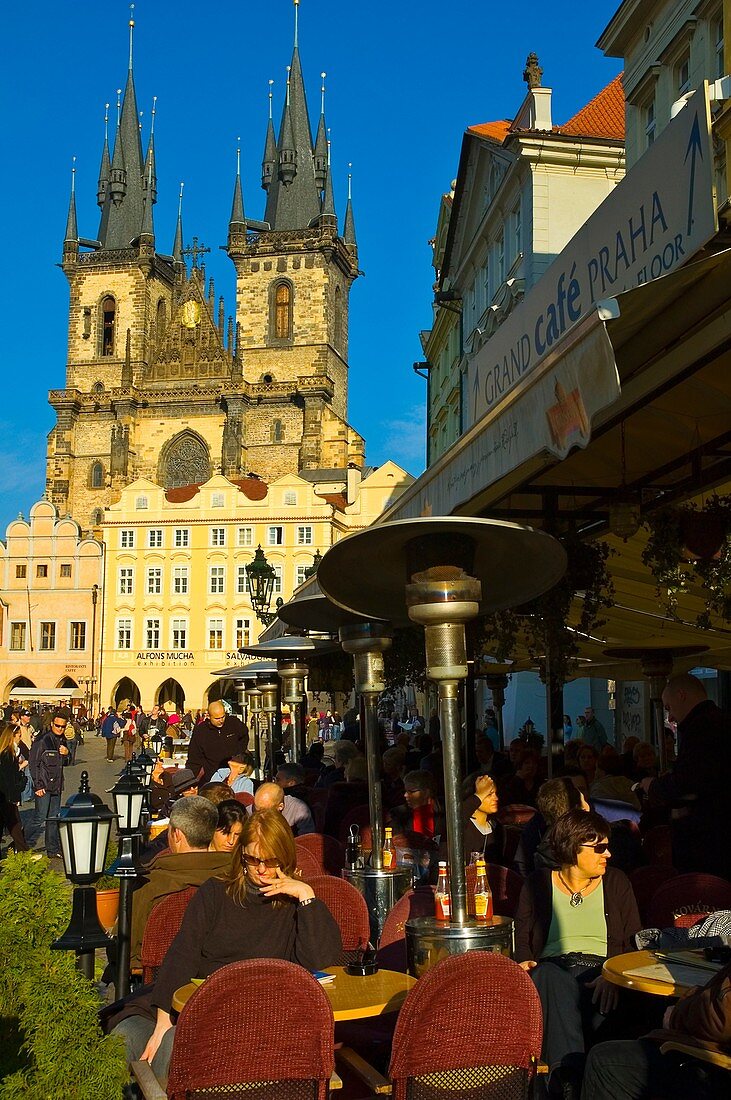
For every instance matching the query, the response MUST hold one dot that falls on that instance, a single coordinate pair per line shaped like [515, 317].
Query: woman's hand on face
[484, 785]
[529, 964]
[285, 886]
[605, 996]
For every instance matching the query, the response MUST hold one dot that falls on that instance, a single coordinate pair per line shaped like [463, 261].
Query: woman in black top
[261, 911]
[13, 763]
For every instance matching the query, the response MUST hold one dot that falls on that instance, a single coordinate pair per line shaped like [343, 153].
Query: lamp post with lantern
[84, 825]
[261, 576]
[129, 798]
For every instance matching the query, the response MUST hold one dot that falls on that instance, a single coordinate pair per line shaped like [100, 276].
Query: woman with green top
[569, 921]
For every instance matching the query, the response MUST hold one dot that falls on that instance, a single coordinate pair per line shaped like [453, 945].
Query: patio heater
[438, 566]
[129, 796]
[84, 825]
[269, 688]
[656, 656]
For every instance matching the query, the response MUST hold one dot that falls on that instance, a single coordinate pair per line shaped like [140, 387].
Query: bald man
[215, 741]
[270, 796]
[696, 787]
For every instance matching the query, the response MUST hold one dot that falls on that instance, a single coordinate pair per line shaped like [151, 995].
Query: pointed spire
[328, 216]
[178, 243]
[237, 221]
[71, 236]
[105, 166]
[296, 23]
[118, 171]
[131, 33]
[320, 155]
[150, 169]
[269, 162]
[287, 148]
[148, 230]
[349, 230]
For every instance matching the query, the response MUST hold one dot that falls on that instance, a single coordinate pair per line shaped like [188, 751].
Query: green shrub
[51, 1045]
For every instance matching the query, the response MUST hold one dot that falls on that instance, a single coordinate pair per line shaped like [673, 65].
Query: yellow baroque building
[176, 607]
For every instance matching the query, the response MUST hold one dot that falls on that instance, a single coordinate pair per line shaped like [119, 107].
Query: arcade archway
[126, 691]
[170, 691]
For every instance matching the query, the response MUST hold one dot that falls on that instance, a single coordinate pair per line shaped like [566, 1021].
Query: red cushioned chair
[645, 882]
[392, 944]
[349, 909]
[280, 1048]
[163, 925]
[688, 895]
[245, 798]
[471, 1027]
[657, 845]
[328, 851]
[308, 865]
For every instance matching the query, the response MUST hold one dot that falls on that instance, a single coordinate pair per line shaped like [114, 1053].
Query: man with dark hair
[696, 787]
[48, 756]
[215, 741]
[193, 822]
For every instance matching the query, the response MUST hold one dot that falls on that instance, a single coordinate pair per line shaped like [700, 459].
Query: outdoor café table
[616, 969]
[352, 998]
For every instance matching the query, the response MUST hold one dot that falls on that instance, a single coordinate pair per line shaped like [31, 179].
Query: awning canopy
[46, 693]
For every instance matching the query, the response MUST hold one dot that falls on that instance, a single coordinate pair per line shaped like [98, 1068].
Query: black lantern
[129, 796]
[84, 825]
[311, 570]
[261, 576]
[145, 761]
[156, 742]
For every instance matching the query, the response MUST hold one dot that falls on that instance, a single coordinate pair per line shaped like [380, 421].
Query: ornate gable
[190, 346]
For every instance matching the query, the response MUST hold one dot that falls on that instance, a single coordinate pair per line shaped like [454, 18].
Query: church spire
[105, 166]
[237, 221]
[150, 169]
[320, 155]
[269, 163]
[178, 243]
[349, 230]
[71, 236]
[328, 215]
[118, 171]
[287, 149]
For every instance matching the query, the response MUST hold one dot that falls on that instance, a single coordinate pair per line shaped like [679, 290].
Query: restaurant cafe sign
[535, 385]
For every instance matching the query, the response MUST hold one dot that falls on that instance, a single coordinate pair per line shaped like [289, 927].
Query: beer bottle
[483, 894]
[389, 855]
[443, 898]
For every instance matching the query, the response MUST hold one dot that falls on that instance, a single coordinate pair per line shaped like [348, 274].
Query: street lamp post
[129, 797]
[261, 576]
[84, 825]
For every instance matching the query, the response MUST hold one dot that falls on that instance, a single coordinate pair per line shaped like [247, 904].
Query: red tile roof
[337, 499]
[181, 494]
[495, 131]
[602, 117]
[252, 487]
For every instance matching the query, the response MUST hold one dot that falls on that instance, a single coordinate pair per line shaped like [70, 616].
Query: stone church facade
[159, 383]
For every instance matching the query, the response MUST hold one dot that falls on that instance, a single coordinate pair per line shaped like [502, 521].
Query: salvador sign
[660, 214]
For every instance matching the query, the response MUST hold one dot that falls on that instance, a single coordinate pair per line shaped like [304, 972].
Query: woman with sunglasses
[262, 910]
[569, 920]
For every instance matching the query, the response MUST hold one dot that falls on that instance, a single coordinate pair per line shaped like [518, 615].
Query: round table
[615, 971]
[351, 997]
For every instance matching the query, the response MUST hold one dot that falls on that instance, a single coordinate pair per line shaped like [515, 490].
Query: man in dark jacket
[215, 741]
[696, 787]
[48, 755]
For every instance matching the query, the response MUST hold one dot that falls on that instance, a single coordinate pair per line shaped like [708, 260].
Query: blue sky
[403, 82]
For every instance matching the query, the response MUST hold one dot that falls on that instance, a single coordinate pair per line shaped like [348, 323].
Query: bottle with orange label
[388, 857]
[483, 893]
[442, 897]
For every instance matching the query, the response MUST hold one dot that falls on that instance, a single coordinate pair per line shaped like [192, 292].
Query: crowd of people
[231, 836]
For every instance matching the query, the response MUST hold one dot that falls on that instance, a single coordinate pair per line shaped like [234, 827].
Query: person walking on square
[48, 757]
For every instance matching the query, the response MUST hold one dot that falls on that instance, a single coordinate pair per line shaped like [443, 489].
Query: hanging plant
[686, 543]
[542, 624]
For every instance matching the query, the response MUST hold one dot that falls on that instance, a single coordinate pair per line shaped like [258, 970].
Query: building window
[109, 312]
[77, 638]
[154, 538]
[215, 633]
[682, 75]
[48, 636]
[217, 580]
[17, 635]
[217, 500]
[152, 633]
[126, 540]
[517, 232]
[182, 538]
[124, 633]
[275, 536]
[290, 498]
[180, 580]
[299, 576]
[96, 476]
[500, 259]
[141, 504]
[650, 121]
[126, 582]
[717, 40]
[242, 633]
[41, 570]
[304, 536]
[276, 432]
[282, 311]
[179, 633]
[65, 570]
[218, 536]
[154, 580]
[21, 572]
[242, 579]
[338, 325]
[160, 317]
[245, 536]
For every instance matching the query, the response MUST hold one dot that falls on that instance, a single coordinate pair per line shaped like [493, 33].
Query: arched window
[97, 517]
[338, 320]
[277, 432]
[282, 307]
[96, 476]
[109, 313]
[160, 320]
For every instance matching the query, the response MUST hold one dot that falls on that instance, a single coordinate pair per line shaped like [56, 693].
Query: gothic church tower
[158, 384]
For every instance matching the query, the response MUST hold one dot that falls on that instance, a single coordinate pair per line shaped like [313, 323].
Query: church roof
[602, 117]
[294, 205]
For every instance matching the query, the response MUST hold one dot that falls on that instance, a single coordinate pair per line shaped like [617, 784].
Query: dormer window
[109, 313]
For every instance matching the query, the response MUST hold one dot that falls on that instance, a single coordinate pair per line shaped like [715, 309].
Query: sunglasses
[600, 849]
[57, 727]
[255, 861]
